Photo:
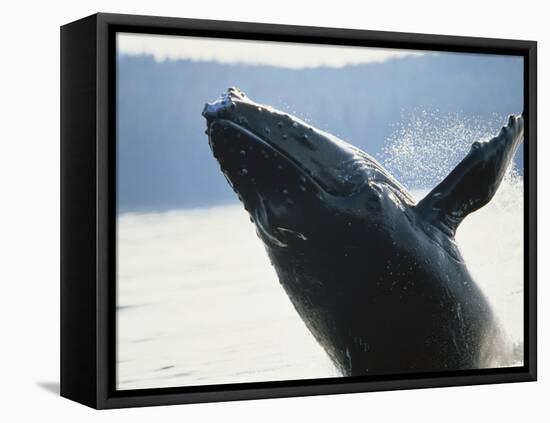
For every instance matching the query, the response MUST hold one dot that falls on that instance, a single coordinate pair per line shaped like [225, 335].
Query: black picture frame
[88, 212]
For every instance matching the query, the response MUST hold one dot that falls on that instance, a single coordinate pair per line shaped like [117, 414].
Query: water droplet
[285, 191]
[242, 153]
[302, 179]
[244, 171]
[260, 109]
[267, 131]
[285, 136]
[280, 124]
[294, 125]
[302, 188]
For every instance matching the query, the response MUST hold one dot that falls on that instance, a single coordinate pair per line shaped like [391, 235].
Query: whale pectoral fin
[474, 181]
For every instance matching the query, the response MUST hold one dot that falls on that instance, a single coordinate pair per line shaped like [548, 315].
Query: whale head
[292, 177]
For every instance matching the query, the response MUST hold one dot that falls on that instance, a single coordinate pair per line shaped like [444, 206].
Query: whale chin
[274, 190]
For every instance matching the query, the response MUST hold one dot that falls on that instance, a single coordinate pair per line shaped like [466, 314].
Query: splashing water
[427, 146]
[491, 241]
[420, 154]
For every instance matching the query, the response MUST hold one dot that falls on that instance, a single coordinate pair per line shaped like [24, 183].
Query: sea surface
[199, 303]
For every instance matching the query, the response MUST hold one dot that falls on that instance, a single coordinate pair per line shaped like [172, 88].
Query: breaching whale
[377, 278]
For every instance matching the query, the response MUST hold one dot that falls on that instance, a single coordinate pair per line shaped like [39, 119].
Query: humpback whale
[377, 278]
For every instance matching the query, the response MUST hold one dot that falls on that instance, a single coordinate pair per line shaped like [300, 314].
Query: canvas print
[292, 211]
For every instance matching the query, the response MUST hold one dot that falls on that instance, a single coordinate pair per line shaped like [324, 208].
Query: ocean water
[199, 303]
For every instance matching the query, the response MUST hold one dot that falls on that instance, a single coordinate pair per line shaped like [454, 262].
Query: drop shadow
[51, 387]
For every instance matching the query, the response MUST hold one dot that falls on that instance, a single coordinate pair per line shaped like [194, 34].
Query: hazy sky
[285, 55]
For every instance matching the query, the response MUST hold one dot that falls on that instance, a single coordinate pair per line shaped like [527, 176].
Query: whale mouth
[267, 149]
[251, 126]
